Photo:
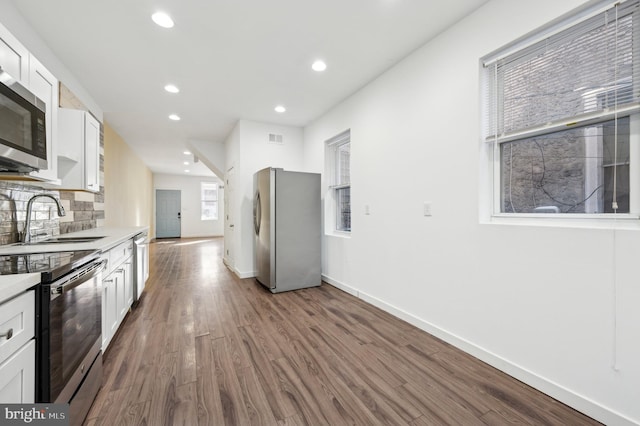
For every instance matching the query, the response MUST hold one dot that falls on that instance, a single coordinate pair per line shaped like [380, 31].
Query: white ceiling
[231, 59]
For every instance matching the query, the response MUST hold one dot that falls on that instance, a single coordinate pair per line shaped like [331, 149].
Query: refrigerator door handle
[257, 213]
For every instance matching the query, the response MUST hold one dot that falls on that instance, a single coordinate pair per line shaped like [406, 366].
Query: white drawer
[119, 253]
[17, 319]
[18, 376]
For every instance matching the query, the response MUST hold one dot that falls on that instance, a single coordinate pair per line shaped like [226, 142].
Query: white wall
[191, 223]
[20, 29]
[212, 154]
[558, 307]
[248, 150]
[232, 204]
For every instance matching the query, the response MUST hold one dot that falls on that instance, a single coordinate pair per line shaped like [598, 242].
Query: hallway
[206, 348]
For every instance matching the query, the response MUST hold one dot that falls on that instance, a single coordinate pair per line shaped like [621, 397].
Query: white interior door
[168, 213]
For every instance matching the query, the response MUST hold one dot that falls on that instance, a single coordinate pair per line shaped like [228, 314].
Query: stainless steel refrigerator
[286, 218]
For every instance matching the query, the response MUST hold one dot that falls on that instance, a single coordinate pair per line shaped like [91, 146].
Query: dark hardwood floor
[206, 348]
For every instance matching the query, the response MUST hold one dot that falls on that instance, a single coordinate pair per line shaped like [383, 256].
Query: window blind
[581, 75]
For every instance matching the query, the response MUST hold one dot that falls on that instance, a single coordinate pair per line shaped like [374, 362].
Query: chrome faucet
[26, 235]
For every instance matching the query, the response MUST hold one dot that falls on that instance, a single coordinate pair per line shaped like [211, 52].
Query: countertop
[12, 285]
[112, 237]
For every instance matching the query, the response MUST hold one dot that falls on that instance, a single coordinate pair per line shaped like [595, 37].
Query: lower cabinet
[18, 376]
[121, 293]
[109, 310]
[117, 290]
[128, 280]
[18, 349]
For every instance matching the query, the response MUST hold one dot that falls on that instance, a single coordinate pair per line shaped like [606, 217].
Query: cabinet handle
[107, 281]
[120, 270]
[8, 334]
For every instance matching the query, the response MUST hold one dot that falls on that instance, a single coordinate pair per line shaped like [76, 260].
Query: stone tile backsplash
[13, 212]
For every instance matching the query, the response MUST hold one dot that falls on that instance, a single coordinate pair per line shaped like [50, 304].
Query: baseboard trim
[566, 396]
[243, 275]
[239, 274]
[337, 284]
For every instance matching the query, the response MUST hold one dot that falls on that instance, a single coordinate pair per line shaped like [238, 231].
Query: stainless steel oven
[70, 357]
[68, 326]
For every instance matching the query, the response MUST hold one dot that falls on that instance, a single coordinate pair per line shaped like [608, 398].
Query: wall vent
[274, 138]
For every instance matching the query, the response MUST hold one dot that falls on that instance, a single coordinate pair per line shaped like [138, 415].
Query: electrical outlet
[426, 208]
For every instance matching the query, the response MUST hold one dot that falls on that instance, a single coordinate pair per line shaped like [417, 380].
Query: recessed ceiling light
[186, 163]
[187, 152]
[171, 88]
[280, 109]
[319, 66]
[162, 19]
[174, 117]
[187, 171]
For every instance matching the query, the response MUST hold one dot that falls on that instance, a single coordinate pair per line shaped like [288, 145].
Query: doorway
[168, 214]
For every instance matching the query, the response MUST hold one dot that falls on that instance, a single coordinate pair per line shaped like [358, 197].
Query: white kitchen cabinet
[14, 57]
[128, 281]
[18, 376]
[118, 289]
[109, 310]
[17, 323]
[17, 349]
[44, 85]
[78, 150]
[121, 293]
[16, 60]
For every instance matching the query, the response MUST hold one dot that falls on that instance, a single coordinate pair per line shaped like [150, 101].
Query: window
[562, 117]
[209, 198]
[339, 170]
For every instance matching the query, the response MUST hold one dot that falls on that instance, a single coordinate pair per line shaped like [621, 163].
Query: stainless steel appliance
[286, 213]
[141, 264]
[23, 144]
[68, 326]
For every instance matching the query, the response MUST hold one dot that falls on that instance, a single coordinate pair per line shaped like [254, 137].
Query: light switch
[426, 209]
[366, 209]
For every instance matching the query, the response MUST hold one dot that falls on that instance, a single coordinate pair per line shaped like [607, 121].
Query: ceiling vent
[274, 138]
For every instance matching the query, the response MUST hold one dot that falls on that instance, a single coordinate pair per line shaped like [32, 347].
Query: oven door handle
[96, 268]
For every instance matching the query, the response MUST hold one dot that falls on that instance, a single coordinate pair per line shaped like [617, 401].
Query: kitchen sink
[60, 240]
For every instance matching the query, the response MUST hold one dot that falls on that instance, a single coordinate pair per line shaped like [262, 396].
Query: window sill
[611, 221]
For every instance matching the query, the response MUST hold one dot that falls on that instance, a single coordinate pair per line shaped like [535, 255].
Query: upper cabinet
[79, 150]
[45, 86]
[14, 57]
[16, 60]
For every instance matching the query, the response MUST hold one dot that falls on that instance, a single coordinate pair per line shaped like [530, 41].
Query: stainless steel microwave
[23, 140]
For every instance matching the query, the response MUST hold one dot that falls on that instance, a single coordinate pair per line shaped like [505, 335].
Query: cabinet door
[14, 57]
[92, 153]
[18, 376]
[78, 150]
[128, 281]
[17, 323]
[109, 309]
[105, 328]
[45, 86]
[122, 293]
